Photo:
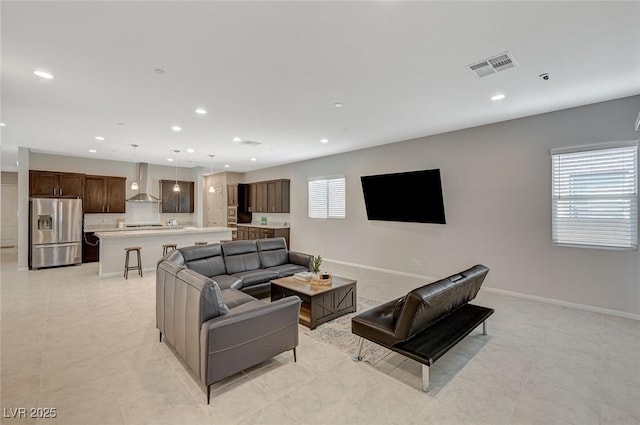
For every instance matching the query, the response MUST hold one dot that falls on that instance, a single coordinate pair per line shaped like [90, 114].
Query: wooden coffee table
[319, 303]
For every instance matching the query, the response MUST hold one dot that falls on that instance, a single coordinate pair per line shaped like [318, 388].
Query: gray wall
[496, 183]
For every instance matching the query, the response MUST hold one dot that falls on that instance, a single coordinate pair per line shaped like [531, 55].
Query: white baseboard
[553, 301]
[562, 303]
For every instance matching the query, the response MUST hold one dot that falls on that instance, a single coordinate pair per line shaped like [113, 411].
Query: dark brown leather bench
[428, 321]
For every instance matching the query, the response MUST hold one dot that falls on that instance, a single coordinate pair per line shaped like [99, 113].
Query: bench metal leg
[484, 327]
[358, 356]
[425, 378]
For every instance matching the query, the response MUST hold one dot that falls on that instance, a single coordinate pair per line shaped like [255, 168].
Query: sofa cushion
[206, 260]
[226, 281]
[211, 301]
[376, 324]
[429, 303]
[213, 304]
[273, 252]
[234, 298]
[240, 256]
[398, 308]
[250, 305]
[285, 270]
[254, 277]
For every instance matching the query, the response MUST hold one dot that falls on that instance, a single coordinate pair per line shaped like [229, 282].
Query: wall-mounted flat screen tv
[414, 196]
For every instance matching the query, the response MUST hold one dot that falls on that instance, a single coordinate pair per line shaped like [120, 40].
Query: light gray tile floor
[88, 347]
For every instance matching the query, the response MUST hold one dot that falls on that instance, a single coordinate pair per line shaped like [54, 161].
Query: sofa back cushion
[427, 304]
[273, 252]
[206, 260]
[240, 256]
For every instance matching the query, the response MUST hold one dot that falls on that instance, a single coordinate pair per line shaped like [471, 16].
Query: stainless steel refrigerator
[56, 232]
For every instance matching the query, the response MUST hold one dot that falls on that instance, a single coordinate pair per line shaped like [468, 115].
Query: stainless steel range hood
[143, 184]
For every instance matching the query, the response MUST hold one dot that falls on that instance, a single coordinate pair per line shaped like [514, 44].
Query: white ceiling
[271, 72]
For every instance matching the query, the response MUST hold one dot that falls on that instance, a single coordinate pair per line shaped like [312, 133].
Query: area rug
[337, 333]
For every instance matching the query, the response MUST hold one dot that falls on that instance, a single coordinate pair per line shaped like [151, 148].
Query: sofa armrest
[236, 341]
[300, 259]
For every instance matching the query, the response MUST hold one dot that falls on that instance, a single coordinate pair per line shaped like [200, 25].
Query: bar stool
[165, 247]
[127, 267]
[201, 243]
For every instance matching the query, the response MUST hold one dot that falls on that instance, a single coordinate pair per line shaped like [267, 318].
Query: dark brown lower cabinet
[253, 233]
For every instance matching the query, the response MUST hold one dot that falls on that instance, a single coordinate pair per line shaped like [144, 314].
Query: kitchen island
[113, 243]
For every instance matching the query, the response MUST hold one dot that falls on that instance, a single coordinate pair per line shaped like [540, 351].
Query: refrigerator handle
[59, 220]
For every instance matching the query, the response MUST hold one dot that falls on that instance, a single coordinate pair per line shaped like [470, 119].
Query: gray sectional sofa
[204, 309]
[245, 265]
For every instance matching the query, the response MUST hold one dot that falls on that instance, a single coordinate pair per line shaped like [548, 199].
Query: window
[595, 196]
[327, 197]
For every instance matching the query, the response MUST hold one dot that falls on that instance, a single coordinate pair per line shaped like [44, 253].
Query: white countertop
[113, 228]
[264, 226]
[124, 233]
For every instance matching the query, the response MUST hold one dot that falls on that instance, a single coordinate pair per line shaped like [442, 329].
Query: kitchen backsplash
[138, 213]
[275, 219]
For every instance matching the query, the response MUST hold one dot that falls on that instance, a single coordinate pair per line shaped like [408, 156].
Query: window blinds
[595, 197]
[327, 198]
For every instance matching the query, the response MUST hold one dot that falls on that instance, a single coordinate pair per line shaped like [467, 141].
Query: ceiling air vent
[249, 143]
[494, 64]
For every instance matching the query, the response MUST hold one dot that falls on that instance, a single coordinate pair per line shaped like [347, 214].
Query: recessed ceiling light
[159, 71]
[176, 128]
[2, 124]
[190, 150]
[226, 165]
[100, 138]
[120, 123]
[324, 140]
[253, 159]
[498, 96]
[237, 139]
[43, 74]
[93, 150]
[170, 159]
[201, 111]
[338, 104]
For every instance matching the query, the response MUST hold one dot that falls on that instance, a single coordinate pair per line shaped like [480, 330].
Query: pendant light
[212, 189]
[176, 187]
[134, 183]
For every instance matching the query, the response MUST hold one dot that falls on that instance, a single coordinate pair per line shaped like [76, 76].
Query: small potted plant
[318, 278]
[315, 265]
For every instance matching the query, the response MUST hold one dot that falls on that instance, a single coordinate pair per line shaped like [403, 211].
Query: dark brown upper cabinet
[177, 202]
[54, 184]
[105, 194]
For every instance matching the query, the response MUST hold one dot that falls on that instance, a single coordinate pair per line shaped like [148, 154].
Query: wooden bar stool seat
[128, 267]
[201, 243]
[168, 247]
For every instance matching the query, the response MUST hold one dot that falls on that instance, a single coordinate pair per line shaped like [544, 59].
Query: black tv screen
[414, 196]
